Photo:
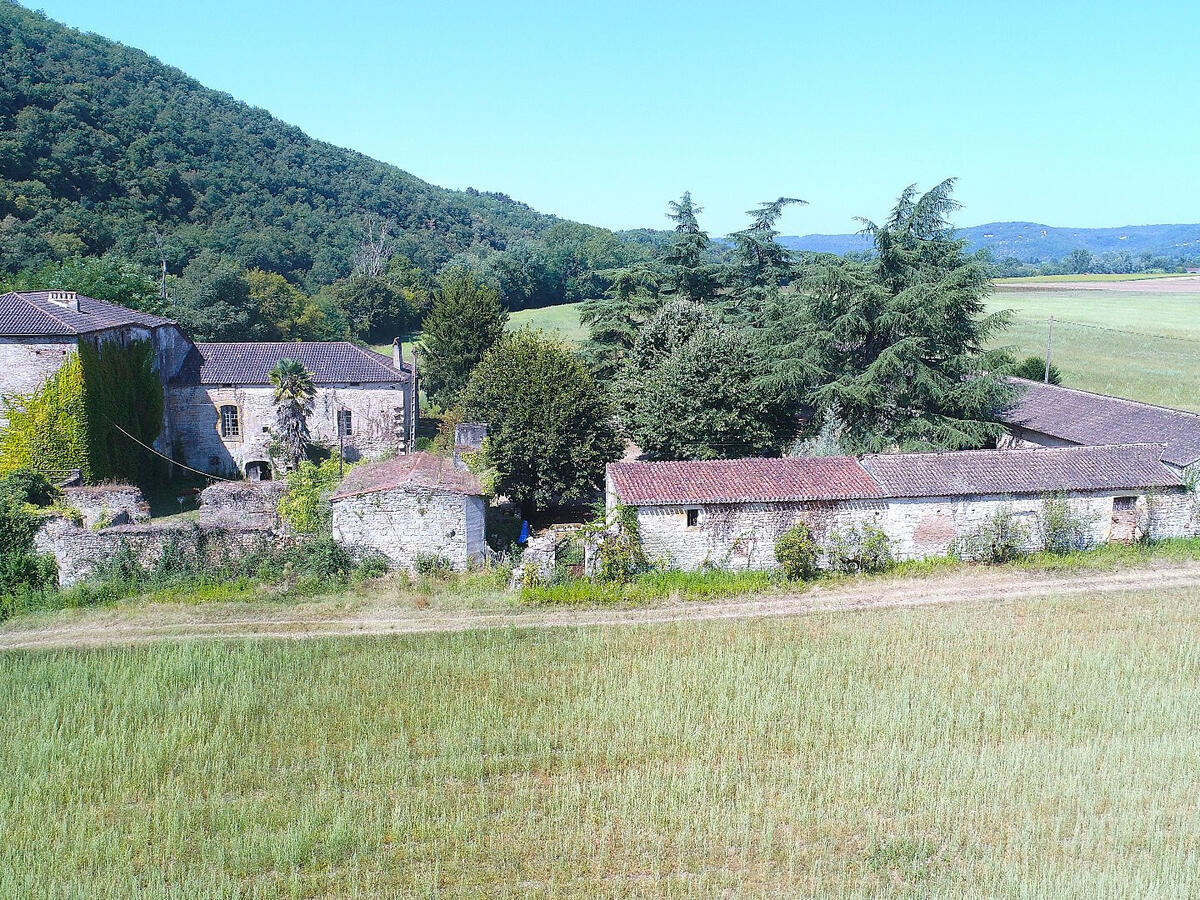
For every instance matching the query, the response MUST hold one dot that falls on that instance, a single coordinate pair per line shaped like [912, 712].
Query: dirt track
[133, 625]
[1183, 285]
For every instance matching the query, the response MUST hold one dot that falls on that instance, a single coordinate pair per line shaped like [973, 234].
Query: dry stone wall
[108, 504]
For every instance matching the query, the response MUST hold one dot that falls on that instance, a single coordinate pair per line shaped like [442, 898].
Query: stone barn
[1048, 415]
[414, 505]
[730, 513]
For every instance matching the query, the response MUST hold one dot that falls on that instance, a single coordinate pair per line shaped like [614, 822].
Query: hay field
[1020, 749]
[1139, 344]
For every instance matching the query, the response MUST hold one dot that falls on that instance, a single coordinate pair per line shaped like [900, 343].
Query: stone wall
[740, 536]
[743, 536]
[242, 505]
[108, 504]
[79, 550]
[376, 412]
[403, 523]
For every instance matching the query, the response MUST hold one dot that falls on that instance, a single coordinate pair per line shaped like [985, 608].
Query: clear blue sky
[1067, 113]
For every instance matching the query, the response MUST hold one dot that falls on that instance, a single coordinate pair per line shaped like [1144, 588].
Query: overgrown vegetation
[798, 553]
[23, 572]
[90, 415]
[304, 507]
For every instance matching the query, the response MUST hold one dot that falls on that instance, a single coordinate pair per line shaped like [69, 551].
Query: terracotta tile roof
[32, 314]
[970, 472]
[251, 363]
[741, 480]
[417, 471]
[1082, 417]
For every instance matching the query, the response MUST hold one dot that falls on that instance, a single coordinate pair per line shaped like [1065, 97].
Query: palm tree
[294, 393]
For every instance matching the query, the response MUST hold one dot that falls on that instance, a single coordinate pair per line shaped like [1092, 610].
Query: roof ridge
[986, 451]
[45, 312]
[1076, 390]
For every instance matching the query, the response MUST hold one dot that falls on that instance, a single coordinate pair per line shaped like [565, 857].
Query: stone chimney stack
[69, 299]
[397, 353]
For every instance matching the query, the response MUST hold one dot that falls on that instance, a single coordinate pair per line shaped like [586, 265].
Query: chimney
[69, 299]
[397, 353]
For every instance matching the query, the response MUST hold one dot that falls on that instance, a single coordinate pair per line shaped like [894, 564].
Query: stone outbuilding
[412, 506]
[1049, 415]
[730, 513]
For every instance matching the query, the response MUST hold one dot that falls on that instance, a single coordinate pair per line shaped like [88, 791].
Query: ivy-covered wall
[74, 420]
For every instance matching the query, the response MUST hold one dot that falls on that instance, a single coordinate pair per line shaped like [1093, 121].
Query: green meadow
[1023, 749]
[1145, 346]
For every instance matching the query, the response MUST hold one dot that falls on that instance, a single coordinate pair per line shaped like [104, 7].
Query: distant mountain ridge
[1034, 242]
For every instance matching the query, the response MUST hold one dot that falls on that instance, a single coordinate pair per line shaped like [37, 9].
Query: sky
[1058, 112]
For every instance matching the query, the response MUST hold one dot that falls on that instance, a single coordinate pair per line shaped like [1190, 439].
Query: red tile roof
[415, 471]
[741, 481]
[1082, 417]
[331, 362]
[896, 475]
[33, 314]
[1002, 472]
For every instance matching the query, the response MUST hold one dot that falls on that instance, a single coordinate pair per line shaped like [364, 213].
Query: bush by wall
[304, 508]
[860, 548]
[797, 552]
[1001, 539]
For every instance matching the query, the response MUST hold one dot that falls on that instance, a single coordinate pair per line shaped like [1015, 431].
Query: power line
[1163, 337]
[167, 458]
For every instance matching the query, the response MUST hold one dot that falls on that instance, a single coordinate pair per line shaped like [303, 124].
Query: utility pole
[1049, 343]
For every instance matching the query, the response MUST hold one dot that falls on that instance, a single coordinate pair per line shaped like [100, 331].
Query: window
[1124, 504]
[693, 518]
[345, 425]
[230, 427]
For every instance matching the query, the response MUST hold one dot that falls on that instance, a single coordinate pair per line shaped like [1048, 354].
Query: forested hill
[101, 144]
[1031, 242]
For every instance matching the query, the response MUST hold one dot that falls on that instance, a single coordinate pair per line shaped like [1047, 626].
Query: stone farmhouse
[731, 513]
[218, 405]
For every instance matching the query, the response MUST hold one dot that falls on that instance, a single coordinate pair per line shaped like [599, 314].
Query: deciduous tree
[550, 431]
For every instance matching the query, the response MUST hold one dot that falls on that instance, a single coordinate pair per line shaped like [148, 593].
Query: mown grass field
[562, 320]
[1145, 346]
[1023, 749]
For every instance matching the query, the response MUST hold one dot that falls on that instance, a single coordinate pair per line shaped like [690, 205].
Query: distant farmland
[1142, 343]
[1137, 339]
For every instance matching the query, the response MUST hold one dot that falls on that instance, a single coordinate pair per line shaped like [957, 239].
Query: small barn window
[693, 518]
[230, 426]
[345, 424]
[1124, 504]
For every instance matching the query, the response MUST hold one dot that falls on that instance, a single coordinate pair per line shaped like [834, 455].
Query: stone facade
[377, 422]
[405, 522]
[743, 535]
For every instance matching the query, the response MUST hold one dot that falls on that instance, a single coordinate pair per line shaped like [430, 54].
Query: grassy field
[1022, 749]
[562, 320]
[1140, 345]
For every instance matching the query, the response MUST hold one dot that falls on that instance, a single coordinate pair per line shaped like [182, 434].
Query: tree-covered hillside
[102, 146]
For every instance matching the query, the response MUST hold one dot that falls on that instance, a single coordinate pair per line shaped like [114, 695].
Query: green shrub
[860, 548]
[999, 540]
[797, 552]
[324, 559]
[304, 508]
[423, 444]
[619, 555]
[373, 565]
[27, 486]
[434, 565]
[1061, 530]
